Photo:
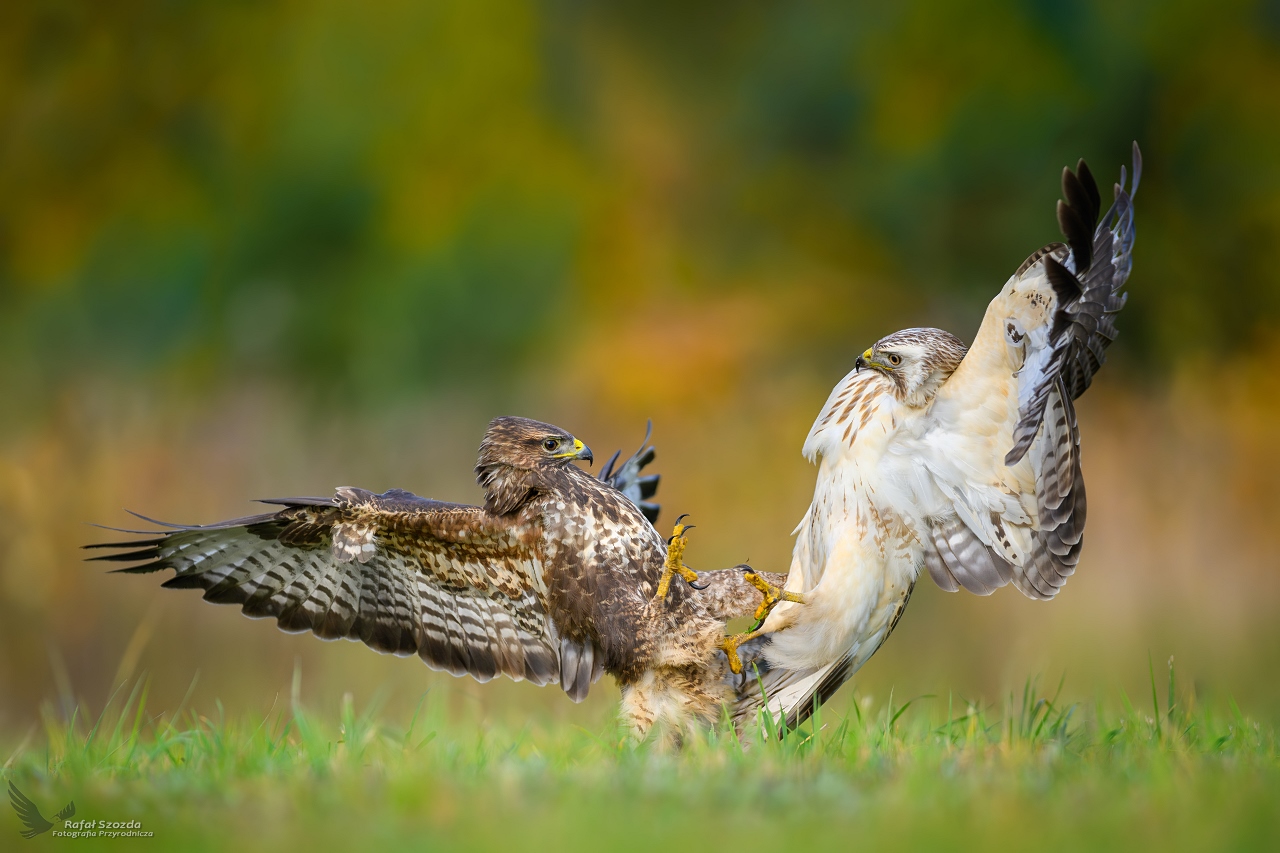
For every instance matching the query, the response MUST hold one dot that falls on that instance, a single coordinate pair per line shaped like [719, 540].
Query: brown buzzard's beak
[859, 363]
[577, 451]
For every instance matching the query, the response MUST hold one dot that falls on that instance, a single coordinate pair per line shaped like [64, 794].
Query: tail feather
[789, 696]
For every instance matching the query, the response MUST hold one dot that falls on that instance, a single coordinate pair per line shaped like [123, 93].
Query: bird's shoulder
[357, 520]
[574, 493]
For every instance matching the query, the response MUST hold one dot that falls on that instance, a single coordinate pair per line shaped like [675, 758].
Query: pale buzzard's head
[917, 361]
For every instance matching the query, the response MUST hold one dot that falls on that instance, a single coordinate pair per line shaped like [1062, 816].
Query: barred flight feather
[974, 470]
[285, 566]
[463, 588]
[1083, 325]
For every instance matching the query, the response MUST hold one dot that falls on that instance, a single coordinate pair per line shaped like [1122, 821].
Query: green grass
[935, 773]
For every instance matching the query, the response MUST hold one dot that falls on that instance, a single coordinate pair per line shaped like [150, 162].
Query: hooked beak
[577, 451]
[581, 451]
[866, 360]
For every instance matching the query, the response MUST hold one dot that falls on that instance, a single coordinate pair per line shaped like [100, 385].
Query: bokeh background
[259, 249]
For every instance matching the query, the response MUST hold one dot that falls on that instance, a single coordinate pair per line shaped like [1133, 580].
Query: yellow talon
[730, 646]
[674, 564]
[773, 596]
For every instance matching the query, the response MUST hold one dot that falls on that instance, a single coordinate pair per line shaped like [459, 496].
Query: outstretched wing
[28, 813]
[1003, 445]
[68, 811]
[453, 584]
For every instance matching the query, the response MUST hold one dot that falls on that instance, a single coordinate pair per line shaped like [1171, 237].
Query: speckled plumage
[966, 462]
[725, 593]
[551, 580]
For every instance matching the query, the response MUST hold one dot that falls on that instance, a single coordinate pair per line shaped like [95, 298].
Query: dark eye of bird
[551, 444]
[895, 360]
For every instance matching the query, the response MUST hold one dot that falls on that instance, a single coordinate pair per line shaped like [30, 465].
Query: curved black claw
[682, 533]
[700, 586]
[682, 518]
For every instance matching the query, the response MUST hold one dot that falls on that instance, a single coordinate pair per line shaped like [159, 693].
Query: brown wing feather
[402, 574]
[725, 593]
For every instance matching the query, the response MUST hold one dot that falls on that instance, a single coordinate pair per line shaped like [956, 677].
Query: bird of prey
[559, 577]
[964, 461]
[30, 816]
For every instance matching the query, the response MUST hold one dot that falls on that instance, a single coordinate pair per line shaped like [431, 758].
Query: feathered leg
[729, 595]
[672, 703]
[773, 596]
[674, 563]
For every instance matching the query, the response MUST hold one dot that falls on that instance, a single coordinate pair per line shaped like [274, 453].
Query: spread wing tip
[303, 501]
[627, 478]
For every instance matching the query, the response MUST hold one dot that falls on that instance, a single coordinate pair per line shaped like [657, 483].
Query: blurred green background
[254, 249]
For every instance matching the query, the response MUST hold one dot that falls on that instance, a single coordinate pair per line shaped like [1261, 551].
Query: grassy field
[934, 771]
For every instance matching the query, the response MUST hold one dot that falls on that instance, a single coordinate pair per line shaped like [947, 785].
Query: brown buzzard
[559, 577]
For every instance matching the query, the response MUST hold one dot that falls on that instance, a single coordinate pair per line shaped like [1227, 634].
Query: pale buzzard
[966, 462]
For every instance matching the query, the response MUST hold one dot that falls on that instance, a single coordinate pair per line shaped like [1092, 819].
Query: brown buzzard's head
[917, 361]
[513, 455]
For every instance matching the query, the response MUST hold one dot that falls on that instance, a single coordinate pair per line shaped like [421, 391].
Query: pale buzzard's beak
[866, 360]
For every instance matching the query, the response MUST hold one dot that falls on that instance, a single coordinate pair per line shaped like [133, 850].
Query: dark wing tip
[1078, 213]
[1065, 285]
[1090, 187]
[144, 553]
[649, 485]
[130, 543]
[168, 524]
[606, 471]
[304, 501]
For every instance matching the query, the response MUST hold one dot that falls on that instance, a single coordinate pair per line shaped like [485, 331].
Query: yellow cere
[577, 448]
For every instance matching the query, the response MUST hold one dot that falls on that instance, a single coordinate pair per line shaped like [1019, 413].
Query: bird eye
[895, 359]
[551, 445]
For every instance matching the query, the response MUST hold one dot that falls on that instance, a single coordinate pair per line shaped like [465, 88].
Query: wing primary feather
[1065, 284]
[308, 501]
[281, 565]
[938, 566]
[606, 472]
[627, 478]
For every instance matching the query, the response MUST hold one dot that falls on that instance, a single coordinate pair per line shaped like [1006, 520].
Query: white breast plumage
[856, 552]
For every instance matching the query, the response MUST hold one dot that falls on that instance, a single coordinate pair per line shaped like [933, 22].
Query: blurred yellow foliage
[258, 248]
